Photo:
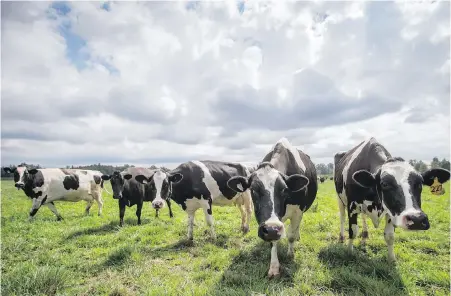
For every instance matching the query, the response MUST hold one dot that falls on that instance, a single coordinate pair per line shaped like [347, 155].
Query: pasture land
[91, 255]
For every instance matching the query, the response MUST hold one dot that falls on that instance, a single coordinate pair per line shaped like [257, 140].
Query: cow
[45, 186]
[283, 187]
[129, 192]
[369, 181]
[322, 179]
[201, 184]
[331, 178]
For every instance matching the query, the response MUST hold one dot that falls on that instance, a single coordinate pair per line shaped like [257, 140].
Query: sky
[167, 82]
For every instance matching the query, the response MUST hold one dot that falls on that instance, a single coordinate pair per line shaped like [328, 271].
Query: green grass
[91, 255]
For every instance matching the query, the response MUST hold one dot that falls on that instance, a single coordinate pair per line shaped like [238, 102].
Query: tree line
[419, 165]
[321, 168]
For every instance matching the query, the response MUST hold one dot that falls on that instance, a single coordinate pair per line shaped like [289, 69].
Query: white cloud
[166, 82]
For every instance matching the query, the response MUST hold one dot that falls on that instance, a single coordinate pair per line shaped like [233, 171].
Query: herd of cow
[368, 181]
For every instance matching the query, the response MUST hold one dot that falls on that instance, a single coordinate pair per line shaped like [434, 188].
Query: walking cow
[44, 186]
[129, 192]
[201, 184]
[282, 187]
[369, 181]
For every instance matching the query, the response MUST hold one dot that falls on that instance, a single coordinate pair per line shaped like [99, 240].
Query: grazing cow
[282, 187]
[331, 178]
[322, 179]
[369, 181]
[129, 192]
[201, 184]
[44, 186]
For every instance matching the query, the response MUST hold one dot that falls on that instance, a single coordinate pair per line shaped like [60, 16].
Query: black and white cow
[201, 184]
[331, 178]
[44, 186]
[369, 181]
[282, 187]
[129, 192]
[322, 179]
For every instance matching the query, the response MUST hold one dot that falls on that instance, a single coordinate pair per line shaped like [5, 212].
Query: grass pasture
[91, 255]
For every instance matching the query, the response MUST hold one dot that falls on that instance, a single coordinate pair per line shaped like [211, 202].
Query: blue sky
[166, 82]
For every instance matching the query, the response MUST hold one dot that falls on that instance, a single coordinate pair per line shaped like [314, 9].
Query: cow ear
[364, 178]
[127, 176]
[32, 171]
[9, 170]
[238, 184]
[106, 177]
[175, 178]
[441, 174]
[141, 179]
[296, 182]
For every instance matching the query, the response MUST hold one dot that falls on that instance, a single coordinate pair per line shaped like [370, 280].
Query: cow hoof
[364, 234]
[273, 272]
[59, 218]
[341, 239]
[245, 229]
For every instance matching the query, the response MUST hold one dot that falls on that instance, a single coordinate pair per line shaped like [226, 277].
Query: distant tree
[435, 163]
[444, 164]
[330, 168]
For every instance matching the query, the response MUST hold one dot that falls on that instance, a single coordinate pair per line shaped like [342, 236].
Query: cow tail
[104, 188]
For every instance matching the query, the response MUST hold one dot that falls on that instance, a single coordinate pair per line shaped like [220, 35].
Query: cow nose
[417, 222]
[269, 233]
[117, 196]
[19, 185]
[157, 204]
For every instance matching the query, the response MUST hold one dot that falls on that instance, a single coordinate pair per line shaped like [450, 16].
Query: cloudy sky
[165, 82]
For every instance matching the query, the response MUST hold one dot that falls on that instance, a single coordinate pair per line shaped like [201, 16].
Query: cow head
[160, 182]
[20, 175]
[118, 183]
[269, 190]
[399, 186]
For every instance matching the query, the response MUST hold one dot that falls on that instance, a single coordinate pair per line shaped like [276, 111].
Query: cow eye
[385, 185]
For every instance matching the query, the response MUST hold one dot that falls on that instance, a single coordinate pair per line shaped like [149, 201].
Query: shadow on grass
[118, 257]
[247, 273]
[354, 273]
[103, 229]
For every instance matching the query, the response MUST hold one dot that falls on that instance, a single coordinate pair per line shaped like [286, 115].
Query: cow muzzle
[270, 233]
[417, 221]
[19, 185]
[116, 196]
[158, 204]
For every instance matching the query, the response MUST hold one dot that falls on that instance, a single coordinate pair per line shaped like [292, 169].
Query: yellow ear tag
[437, 188]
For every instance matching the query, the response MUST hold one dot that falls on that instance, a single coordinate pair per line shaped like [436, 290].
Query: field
[91, 255]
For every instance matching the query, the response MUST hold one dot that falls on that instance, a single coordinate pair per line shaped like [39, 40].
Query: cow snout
[19, 185]
[270, 232]
[117, 196]
[158, 204]
[418, 221]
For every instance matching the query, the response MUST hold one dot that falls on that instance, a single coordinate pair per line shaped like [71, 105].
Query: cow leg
[139, 207]
[98, 198]
[243, 217]
[353, 229]
[389, 236]
[275, 265]
[169, 207]
[88, 206]
[206, 205]
[341, 206]
[121, 213]
[191, 207]
[293, 230]
[247, 200]
[52, 208]
[365, 230]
